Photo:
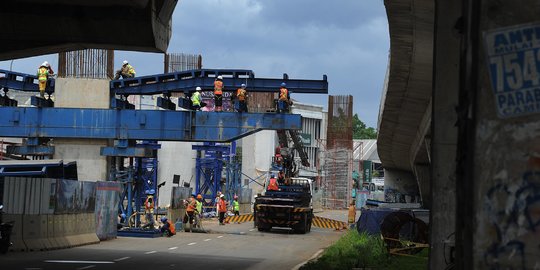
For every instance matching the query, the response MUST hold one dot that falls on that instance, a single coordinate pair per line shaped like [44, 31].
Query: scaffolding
[337, 159]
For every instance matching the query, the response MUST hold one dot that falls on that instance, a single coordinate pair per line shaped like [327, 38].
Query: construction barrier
[320, 222]
[50, 213]
[239, 219]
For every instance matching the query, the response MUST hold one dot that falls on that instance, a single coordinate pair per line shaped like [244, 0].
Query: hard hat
[222, 195]
[163, 219]
[272, 176]
[198, 88]
[220, 77]
[243, 85]
[236, 196]
[149, 191]
[46, 63]
[123, 215]
[193, 195]
[283, 84]
[125, 62]
[199, 196]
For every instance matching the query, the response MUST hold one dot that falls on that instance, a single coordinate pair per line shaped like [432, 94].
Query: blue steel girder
[22, 82]
[138, 124]
[186, 81]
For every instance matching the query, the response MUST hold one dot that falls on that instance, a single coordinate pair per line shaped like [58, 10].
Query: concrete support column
[82, 93]
[444, 131]
[504, 157]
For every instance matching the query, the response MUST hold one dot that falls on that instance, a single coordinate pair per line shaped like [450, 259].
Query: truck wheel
[302, 226]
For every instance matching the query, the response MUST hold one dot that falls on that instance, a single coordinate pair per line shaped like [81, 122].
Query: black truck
[290, 206]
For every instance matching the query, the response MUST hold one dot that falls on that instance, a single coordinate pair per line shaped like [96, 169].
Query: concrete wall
[175, 158]
[257, 152]
[82, 93]
[444, 133]
[399, 184]
[506, 155]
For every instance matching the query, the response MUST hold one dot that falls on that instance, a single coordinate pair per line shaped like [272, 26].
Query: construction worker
[284, 99]
[352, 215]
[241, 94]
[43, 76]
[126, 71]
[222, 203]
[149, 208]
[49, 68]
[198, 207]
[236, 206]
[281, 177]
[167, 228]
[218, 94]
[190, 211]
[272, 183]
[196, 99]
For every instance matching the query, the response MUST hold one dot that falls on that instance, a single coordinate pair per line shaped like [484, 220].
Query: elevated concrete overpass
[33, 27]
[443, 132]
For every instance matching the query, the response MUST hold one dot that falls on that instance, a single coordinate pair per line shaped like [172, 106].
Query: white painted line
[251, 230]
[220, 236]
[150, 252]
[66, 261]
[86, 267]
[317, 254]
[190, 244]
[121, 259]
[206, 240]
[171, 248]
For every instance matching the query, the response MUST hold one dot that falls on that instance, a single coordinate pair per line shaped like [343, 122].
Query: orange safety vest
[171, 227]
[149, 204]
[273, 184]
[43, 72]
[241, 94]
[218, 87]
[222, 206]
[191, 206]
[283, 94]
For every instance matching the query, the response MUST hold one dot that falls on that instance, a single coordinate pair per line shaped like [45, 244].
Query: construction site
[111, 162]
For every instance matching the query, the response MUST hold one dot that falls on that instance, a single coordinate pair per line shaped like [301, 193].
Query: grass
[354, 250]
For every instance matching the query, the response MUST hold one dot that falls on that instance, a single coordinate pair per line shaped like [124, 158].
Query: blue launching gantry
[125, 126]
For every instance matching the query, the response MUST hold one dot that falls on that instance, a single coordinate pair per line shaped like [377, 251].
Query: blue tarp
[370, 220]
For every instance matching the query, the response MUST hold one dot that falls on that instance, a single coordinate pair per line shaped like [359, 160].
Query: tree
[360, 131]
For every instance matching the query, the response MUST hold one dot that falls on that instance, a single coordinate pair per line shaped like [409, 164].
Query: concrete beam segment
[82, 93]
[138, 25]
[138, 124]
[409, 79]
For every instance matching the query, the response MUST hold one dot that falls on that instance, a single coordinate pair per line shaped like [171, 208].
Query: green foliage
[360, 131]
[354, 250]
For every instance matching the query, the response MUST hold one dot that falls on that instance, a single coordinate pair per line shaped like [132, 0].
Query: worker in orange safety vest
[222, 209]
[218, 93]
[284, 99]
[241, 94]
[272, 183]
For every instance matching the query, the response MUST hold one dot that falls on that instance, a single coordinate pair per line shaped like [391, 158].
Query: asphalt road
[233, 246]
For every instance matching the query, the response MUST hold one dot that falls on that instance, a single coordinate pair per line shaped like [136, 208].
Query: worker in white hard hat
[218, 94]
[241, 95]
[126, 71]
[43, 76]
[196, 99]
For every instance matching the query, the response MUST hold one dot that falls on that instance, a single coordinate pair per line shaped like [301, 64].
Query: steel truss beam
[138, 124]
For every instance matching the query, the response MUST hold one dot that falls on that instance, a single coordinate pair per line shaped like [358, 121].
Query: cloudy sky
[345, 39]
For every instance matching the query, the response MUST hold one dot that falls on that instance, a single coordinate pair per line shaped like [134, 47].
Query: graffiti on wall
[514, 213]
[73, 197]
